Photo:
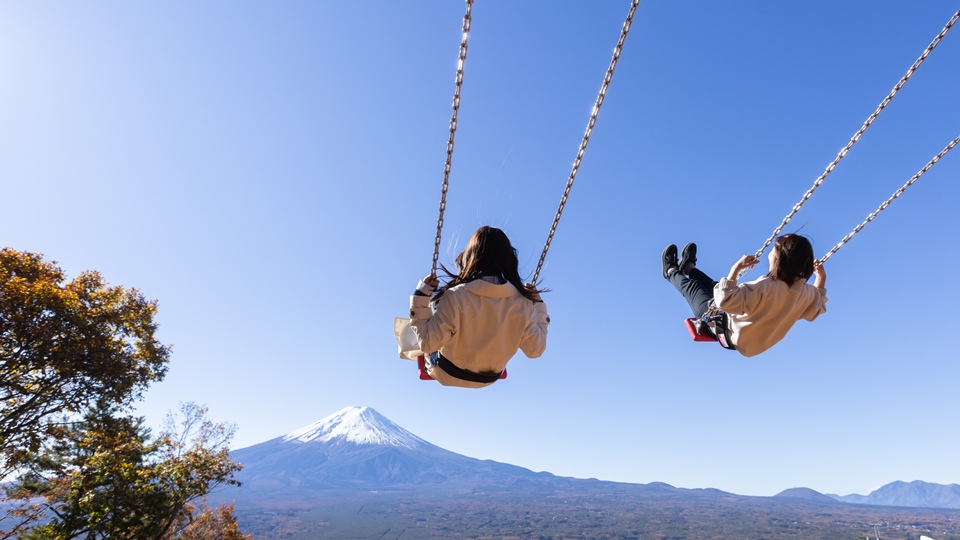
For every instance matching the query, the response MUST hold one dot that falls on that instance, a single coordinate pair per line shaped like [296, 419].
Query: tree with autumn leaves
[74, 357]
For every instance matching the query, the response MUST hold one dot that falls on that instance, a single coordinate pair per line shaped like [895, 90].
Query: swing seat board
[692, 328]
[424, 376]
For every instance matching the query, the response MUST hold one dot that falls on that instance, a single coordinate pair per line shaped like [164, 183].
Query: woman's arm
[534, 341]
[732, 298]
[747, 261]
[820, 279]
[433, 329]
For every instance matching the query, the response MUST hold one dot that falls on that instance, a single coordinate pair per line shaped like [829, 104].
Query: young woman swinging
[760, 312]
[474, 324]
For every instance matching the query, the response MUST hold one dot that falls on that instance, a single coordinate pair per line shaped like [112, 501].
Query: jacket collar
[490, 290]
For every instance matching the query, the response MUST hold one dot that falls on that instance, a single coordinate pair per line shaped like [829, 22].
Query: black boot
[689, 257]
[669, 261]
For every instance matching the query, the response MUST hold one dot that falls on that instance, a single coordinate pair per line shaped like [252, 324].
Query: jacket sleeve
[735, 299]
[818, 306]
[433, 327]
[535, 335]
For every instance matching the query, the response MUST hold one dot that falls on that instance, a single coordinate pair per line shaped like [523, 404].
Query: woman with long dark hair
[475, 323]
[758, 313]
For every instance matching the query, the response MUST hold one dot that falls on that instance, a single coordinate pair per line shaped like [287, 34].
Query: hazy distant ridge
[916, 494]
[806, 494]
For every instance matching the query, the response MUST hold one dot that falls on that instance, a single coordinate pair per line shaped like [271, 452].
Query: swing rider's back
[474, 324]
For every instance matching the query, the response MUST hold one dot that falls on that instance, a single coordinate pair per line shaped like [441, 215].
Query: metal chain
[886, 203]
[453, 132]
[586, 136]
[857, 135]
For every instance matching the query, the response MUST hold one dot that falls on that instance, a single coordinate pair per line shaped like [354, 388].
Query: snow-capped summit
[358, 425]
[357, 448]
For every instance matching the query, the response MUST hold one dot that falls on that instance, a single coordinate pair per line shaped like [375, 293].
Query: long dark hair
[488, 253]
[794, 259]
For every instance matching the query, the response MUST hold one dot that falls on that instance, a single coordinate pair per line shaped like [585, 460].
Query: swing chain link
[886, 101]
[453, 132]
[886, 203]
[627, 23]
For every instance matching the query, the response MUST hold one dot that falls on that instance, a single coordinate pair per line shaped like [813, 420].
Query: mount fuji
[358, 448]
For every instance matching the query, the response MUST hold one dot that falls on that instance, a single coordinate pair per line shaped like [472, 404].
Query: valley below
[601, 510]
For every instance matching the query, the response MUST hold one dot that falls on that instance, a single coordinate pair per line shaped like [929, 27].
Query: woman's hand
[532, 289]
[427, 285]
[820, 275]
[747, 261]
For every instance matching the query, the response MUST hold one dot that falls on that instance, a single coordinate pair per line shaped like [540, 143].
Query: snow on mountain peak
[359, 425]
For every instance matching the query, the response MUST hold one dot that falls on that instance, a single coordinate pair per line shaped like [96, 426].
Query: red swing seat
[425, 376]
[422, 364]
[693, 326]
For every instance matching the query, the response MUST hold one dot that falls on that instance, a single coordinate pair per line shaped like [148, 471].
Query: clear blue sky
[270, 174]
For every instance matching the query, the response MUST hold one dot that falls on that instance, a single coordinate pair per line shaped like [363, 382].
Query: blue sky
[270, 174]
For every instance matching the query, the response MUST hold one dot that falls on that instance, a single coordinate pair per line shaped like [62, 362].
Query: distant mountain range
[356, 474]
[357, 448]
[914, 494]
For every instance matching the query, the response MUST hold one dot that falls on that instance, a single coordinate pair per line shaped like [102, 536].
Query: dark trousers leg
[697, 289]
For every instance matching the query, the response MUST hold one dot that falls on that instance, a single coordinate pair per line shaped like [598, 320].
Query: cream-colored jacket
[479, 326]
[761, 312]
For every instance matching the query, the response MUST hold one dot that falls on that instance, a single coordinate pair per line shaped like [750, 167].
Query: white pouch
[406, 339]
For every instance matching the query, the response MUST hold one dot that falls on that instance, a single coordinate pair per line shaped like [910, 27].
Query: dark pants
[697, 289]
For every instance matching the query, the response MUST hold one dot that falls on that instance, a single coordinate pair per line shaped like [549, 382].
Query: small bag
[406, 339]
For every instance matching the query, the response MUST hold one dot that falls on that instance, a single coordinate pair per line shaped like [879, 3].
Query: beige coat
[761, 312]
[479, 326]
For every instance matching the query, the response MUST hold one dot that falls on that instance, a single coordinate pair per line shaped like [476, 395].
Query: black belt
[451, 369]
